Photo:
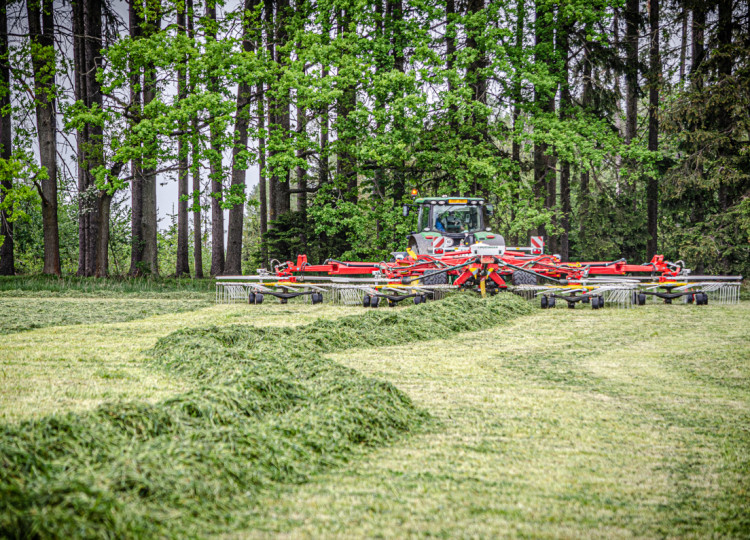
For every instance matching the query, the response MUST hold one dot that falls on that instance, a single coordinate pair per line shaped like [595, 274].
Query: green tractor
[447, 224]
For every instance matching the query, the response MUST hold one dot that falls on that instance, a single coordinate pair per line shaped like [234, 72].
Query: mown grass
[73, 286]
[74, 368]
[29, 313]
[567, 423]
[267, 408]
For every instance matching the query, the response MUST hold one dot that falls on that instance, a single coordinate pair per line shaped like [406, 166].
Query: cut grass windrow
[269, 410]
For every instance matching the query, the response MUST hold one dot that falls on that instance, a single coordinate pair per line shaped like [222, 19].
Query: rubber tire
[595, 303]
[601, 302]
[419, 244]
[551, 302]
[524, 278]
[374, 301]
[437, 279]
[544, 302]
[258, 298]
[417, 300]
[690, 298]
[641, 299]
[366, 300]
[251, 298]
[704, 299]
[317, 298]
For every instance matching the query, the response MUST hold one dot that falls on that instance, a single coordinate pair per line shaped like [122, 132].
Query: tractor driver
[439, 224]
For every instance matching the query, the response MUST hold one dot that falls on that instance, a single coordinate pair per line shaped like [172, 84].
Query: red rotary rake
[486, 269]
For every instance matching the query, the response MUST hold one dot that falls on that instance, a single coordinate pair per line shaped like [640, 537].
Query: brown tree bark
[242, 121]
[345, 105]
[585, 194]
[269, 6]
[217, 212]
[278, 105]
[85, 209]
[517, 97]
[149, 223]
[698, 33]
[195, 165]
[395, 17]
[7, 259]
[182, 265]
[632, 18]
[302, 8]
[724, 67]
[545, 101]
[683, 39]
[565, 112]
[262, 191]
[42, 35]
[137, 181]
[652, 186]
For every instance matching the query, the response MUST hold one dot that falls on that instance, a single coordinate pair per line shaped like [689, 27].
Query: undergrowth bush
[269, 409]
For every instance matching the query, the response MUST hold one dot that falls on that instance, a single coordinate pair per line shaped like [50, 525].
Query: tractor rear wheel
[523, 278]
[434, 279]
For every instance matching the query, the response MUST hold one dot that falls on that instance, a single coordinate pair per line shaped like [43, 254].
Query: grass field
[561, 423]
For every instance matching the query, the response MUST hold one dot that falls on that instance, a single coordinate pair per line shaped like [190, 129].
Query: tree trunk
[632, 18]
[137, 181]
[7, 260]
[102, 238]
[544, 45]
[182, 265]
[242, 121]
[42, 34]
[395, 12]
[271, 112]
[584, 195]
[565, 112]
[652, 187]
[698, 45]
[195, 165]
[345, 106]
[517, 97]
[84, 201]
[262, 192]
[724, 67]
[150, 219]
[301, 176]
[95, 156]
[278, 107]
[217, 212]
[683, 40]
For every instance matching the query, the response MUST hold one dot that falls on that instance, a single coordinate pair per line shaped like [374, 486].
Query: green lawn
[562, 423]
[614, 423]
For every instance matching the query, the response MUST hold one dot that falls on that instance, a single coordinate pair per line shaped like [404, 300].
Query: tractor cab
[448, 224]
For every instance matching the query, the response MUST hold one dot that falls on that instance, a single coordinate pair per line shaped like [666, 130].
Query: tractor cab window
[458, 219]
[424, 218]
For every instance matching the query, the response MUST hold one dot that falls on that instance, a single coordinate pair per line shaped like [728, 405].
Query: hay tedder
[453, 249]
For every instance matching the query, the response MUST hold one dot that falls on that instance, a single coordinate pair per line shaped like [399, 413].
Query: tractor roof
[454, 199]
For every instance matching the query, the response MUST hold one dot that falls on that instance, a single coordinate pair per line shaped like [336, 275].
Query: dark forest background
[614, 129]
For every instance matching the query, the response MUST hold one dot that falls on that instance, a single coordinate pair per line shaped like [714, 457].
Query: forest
[612, 128]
